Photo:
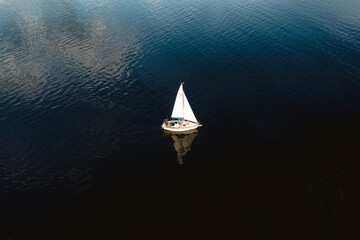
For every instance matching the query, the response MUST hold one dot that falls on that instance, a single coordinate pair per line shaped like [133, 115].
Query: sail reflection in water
[182, 142]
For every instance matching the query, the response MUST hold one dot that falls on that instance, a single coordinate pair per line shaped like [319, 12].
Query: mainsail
[182, 107]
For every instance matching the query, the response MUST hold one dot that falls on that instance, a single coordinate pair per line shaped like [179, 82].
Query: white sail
[188, 113]
[182, 107]
[178, 110]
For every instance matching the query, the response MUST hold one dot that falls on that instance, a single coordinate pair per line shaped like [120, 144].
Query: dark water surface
[85, 85]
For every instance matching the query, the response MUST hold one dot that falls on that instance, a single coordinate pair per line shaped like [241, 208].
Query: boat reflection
[182, 142]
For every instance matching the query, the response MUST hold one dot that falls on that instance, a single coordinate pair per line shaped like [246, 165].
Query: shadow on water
[182, 142]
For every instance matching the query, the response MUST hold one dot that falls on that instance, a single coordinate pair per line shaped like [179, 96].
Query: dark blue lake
[85, 86]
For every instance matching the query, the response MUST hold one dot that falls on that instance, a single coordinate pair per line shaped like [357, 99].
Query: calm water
[85, 85]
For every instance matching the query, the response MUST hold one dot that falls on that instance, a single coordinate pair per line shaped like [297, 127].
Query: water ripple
[84, 85]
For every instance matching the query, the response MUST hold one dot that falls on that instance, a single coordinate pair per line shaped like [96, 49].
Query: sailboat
[182, 117]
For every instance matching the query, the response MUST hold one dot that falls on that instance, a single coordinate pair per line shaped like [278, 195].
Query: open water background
[85, 85]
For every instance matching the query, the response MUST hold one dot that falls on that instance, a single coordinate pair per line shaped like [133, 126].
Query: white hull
[180, 128]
